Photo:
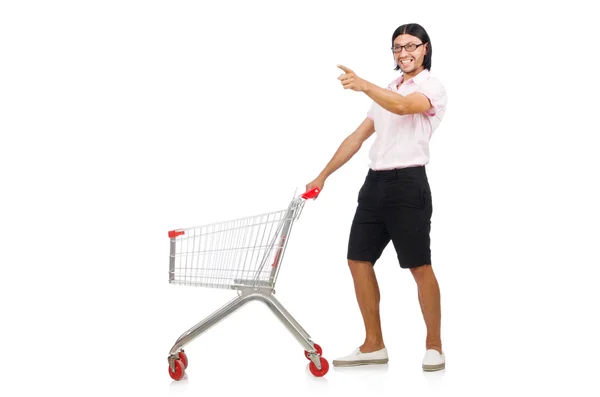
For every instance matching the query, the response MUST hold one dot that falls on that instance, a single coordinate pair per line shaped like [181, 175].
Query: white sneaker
[433, 360]
[359, 358]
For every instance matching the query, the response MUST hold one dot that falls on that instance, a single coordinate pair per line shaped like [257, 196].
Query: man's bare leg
[368, 297]
[429, 299]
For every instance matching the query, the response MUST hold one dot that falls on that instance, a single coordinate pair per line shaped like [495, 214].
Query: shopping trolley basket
[243, 255]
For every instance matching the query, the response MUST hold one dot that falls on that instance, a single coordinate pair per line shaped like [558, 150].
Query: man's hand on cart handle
[313, 189]
[311, 194]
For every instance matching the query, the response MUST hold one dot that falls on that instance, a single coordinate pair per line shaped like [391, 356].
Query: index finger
[345, 69]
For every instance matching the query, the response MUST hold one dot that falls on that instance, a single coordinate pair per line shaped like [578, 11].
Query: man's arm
[389, 100]
[396, 103]
[348, 148]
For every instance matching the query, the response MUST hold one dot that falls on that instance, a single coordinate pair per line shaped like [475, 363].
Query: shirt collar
[418, 79]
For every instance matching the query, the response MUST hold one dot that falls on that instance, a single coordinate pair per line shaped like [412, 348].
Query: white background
[121, 120]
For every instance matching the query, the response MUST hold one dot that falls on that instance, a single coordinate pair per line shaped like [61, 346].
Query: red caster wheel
[183, 358]
[319, 372]
[179, 370]
[317, 348]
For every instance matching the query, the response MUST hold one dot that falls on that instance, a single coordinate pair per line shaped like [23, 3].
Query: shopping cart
[243, 255]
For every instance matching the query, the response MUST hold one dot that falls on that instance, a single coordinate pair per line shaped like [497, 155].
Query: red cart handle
[311, 194]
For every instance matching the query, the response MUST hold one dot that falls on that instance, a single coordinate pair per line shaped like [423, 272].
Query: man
[394, 204]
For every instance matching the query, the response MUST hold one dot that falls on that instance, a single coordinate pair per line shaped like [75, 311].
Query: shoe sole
[359, 362]
[437, 367]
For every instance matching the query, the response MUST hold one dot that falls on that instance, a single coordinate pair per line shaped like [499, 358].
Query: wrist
[366, 86]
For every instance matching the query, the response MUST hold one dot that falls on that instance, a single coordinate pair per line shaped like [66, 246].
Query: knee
[421, 272]
[352, 262]
[355, 265]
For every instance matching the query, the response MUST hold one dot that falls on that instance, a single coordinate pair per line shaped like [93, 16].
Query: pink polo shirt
[403, 141]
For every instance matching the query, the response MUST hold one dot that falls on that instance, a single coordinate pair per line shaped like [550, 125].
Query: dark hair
[414, 29]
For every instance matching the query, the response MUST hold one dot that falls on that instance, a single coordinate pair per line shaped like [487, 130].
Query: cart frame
[259, 288]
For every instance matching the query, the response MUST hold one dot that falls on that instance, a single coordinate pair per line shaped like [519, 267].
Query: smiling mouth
[406, 62]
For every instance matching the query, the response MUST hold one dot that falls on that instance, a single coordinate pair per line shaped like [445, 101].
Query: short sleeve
[435, 91]
[370, 112]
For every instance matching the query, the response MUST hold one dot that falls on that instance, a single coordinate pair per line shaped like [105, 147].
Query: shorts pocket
[425, 195]
[405, 194]
[362, 193]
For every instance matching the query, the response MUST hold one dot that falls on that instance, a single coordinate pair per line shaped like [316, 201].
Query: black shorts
[393, 205]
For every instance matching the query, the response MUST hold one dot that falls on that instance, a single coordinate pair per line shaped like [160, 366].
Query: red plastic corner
[175, 233]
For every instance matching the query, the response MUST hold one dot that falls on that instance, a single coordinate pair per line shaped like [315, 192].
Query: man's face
[409, 61]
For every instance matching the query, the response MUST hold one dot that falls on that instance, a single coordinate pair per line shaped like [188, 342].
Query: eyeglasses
[409, 47]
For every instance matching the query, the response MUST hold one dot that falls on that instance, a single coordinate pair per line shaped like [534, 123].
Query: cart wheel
[183, 358]
[317, 348]
[319, 372]
[179, 370]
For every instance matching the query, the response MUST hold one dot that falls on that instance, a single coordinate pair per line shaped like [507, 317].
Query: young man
[395, 204]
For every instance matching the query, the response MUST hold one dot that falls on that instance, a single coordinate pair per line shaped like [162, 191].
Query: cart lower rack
[243, 255]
